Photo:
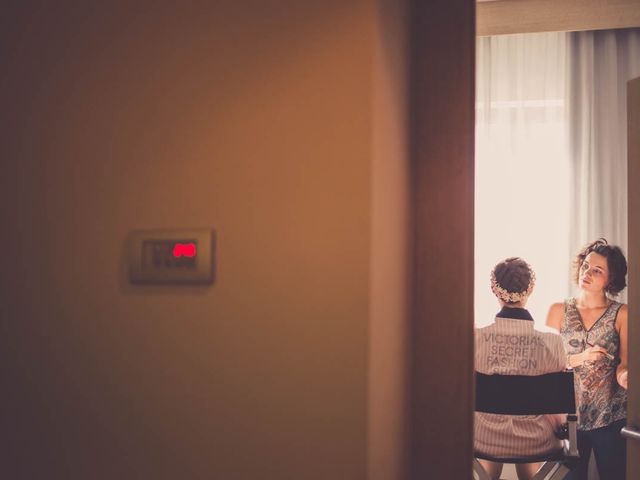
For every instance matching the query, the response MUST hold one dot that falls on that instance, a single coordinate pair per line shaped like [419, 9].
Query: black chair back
[525, 395]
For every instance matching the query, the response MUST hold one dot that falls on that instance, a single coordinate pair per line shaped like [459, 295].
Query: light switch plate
[171, 256]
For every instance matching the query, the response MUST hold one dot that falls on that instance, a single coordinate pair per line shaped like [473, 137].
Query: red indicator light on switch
[184, 250]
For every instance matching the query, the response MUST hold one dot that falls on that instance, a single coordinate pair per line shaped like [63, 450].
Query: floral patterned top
[599, 398]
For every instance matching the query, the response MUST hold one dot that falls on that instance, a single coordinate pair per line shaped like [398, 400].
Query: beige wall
[255, 118]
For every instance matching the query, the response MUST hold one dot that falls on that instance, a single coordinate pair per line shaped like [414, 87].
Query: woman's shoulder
[621, 311]
[622, 307]
[548, 331]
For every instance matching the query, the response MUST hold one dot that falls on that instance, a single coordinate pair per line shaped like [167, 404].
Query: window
[522, 166]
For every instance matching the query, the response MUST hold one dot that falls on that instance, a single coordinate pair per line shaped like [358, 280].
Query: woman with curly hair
[593, 327]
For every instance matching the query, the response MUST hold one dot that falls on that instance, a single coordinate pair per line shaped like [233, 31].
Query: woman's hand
[623, 378]
[590, 355]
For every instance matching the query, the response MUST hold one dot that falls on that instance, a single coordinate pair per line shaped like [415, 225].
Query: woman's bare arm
[621, 326]
[555, 316]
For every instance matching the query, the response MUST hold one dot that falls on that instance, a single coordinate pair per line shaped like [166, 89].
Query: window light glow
[522, 179]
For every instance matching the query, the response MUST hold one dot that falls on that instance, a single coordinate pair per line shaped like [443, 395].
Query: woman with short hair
[513, 346]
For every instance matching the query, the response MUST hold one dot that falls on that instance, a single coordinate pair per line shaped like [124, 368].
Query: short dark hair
[616, 262]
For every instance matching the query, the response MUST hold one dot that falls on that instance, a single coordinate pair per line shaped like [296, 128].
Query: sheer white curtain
[601, 63]
[522, 164]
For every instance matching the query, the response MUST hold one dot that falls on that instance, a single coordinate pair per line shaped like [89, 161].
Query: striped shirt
[512, 346]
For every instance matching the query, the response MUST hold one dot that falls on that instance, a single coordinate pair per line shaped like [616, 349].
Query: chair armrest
[572, 449]
[563, 432]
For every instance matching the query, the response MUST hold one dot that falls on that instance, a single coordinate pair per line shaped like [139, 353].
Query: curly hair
[616, 262]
